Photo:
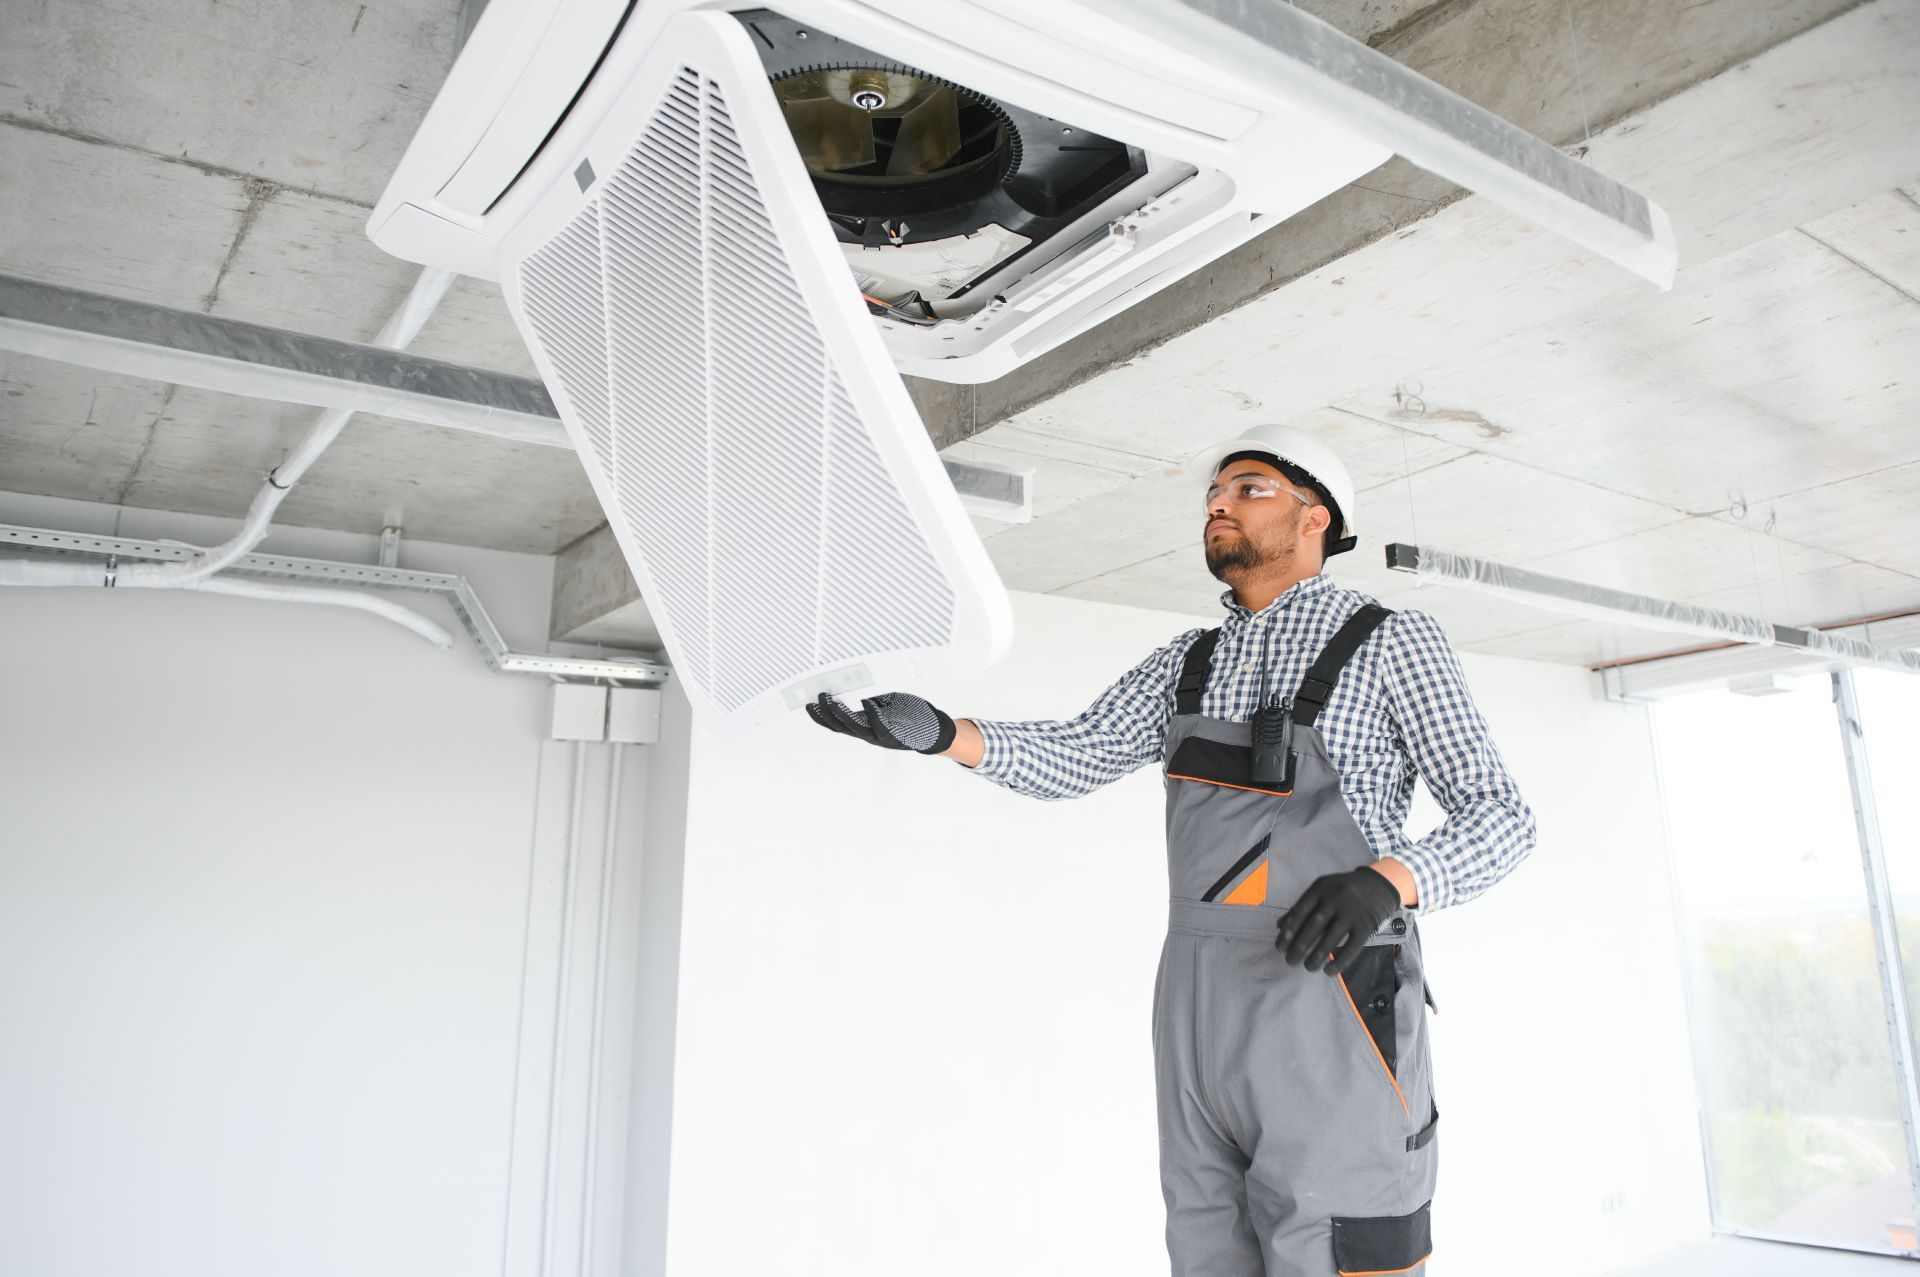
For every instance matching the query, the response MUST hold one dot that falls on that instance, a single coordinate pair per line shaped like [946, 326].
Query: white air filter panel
[768, 479]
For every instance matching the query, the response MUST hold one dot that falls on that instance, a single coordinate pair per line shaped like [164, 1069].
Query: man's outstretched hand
[892, 720]
[1335, 915]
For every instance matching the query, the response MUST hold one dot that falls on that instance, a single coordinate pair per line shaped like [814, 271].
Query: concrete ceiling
[1740, 439]
[1747, 440]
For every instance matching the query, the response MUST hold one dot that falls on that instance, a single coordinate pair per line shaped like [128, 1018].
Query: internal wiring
[881, 306]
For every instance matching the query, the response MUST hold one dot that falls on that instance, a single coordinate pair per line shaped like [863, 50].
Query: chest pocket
[1230, 766]
[1212, 762]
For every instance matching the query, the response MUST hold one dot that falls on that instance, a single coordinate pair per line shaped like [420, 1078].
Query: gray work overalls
[1296, 1108]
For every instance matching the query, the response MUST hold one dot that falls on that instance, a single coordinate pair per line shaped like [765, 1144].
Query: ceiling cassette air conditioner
[1000, 175]
[721, 228]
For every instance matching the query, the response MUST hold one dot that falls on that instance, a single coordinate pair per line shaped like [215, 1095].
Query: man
[1296, 1111]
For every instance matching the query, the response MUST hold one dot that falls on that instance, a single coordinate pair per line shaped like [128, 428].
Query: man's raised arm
[1120, 732]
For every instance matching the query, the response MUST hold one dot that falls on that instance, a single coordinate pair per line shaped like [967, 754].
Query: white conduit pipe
[1600, 603]
[32, 572]
[396, 334]
[426, 629]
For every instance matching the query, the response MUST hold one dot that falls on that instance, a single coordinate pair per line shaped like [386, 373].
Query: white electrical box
[579, 711]
[633, 715]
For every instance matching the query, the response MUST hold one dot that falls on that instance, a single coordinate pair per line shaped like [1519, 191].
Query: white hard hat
[1294, 449]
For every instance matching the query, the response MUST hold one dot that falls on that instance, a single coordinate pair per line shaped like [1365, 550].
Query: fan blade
[929, 134]
[831, 137]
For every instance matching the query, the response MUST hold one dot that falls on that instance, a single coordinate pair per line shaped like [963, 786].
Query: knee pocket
[1381, 1244]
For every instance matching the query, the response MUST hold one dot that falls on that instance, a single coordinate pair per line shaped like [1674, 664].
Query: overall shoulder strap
[1193, 673]
[1325, 670]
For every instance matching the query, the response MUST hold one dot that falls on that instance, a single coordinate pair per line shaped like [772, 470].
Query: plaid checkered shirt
[1401, 710]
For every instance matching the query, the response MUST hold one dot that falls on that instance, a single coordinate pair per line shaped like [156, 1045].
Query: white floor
[1743, 1257]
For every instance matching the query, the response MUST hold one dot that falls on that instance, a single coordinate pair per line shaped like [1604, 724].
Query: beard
[1232, 556]
[1238, 555]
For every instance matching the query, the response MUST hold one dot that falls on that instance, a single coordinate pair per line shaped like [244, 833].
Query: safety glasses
[1250, 487]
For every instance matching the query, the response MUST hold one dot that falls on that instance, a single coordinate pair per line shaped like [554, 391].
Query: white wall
[643, 1246]
[286, 926]
[913, 1007]
[1563, 1066]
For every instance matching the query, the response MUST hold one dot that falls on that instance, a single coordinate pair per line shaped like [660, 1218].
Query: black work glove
[893, 720]
[1335, 915]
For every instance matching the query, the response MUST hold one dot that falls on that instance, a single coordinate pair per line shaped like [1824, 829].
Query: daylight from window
[1798, 1079]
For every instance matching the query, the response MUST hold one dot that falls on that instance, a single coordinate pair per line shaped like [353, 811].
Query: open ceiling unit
[722, 229]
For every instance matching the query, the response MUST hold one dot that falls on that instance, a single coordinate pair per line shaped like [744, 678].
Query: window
[1890, 722]
[1800, 1085]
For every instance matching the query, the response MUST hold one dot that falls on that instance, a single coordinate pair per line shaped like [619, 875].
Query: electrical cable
[880, 306]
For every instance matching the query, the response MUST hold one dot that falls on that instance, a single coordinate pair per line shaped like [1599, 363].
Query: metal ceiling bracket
[457, 591]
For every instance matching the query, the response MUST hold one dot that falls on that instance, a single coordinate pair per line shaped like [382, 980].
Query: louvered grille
[775, 541]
